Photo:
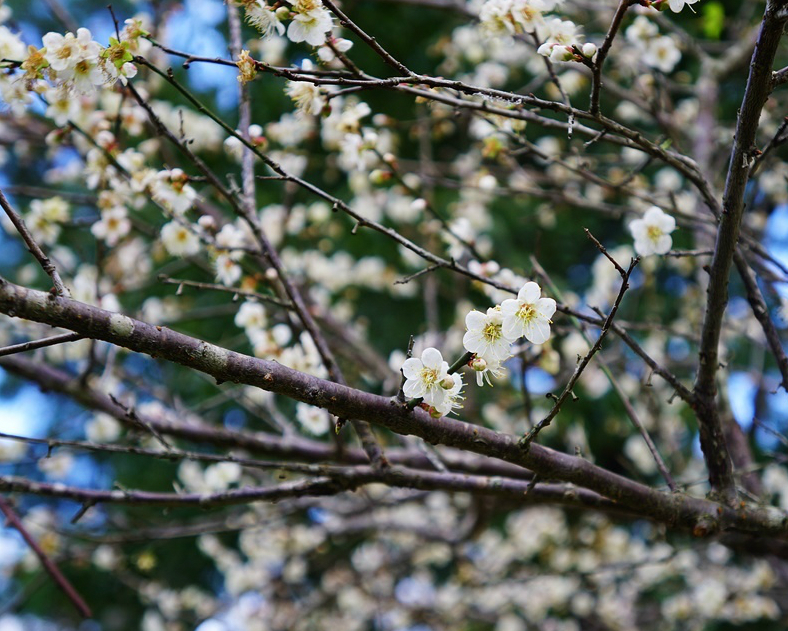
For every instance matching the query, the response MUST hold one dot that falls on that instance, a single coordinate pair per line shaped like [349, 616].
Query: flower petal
[472, 341]
[475, 320]
[509, 307]
[414, 388]
[412, 367]
[529, 293]
[540, 332]
[545, 307]
[432, 358]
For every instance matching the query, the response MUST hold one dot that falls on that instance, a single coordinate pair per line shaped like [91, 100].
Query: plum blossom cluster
[428, 378]
[310, 21]
[490, 335]
[654, 50]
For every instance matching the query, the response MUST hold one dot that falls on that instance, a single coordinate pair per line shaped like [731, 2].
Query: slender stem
[49, 341]
[34, 248]
[527, 439]
[604, 49]
[61, 581]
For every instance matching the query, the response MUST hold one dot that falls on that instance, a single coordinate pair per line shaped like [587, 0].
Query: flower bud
[561, 53]
[545, 49]
[282, 13]
[207, 222]
[479, 364]
[589, 49]
[379, 176]
[447, 383]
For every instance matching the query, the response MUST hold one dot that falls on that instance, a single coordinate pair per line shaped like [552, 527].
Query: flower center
[526, 312]
[492, 332]
[654, 233]
[429, 376]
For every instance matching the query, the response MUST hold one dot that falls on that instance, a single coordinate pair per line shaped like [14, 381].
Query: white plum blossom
[485, 336]
[451, 400]
[662, 53]
[113, 225]
[306, 96]
[428, 378]
[251, 315]
[326, 53]
[508, 17]
[677, 5]
[311, 21]
[528, 315]
[652, 232]
[103, 428]
[179, 240]
[65, 51]
[220, 476]
[45, 218]
[314, 420]
[484, 369]
[228, 272]
[172, 190]
[264, 18]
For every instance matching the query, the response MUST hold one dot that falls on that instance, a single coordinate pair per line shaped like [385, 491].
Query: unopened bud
[561, 53]
[479, 364]
[379, 176]
[589, 49]
[447, 383]
[207, 222]
[419, 204]
[282, 13]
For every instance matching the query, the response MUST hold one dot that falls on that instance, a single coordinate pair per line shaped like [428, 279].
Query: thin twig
[61, 581]
[527, 439]
[33, 247]
[49, 341]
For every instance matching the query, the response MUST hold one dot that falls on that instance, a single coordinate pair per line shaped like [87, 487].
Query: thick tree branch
[759, 84]
[702, 516]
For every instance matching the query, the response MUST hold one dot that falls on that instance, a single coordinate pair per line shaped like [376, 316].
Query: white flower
[251, 315]
[662, 53]
[102, 429]
[12, 450]
[528, 315]
[641, 30]
[230, 240]
[172, 189]
[485, 336]
[113, 226]
[311, 22]
[326, 54]
[484, 369]
[179, 240]
[64, 51]
[312, 419]
[451, 399]
[45, 218]
[264, 19]
[228, 272]
[652, 232]
[219, 476]
[428, 378]
[507, 17]
[677, 5]
[11, 46]
[306, 96]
